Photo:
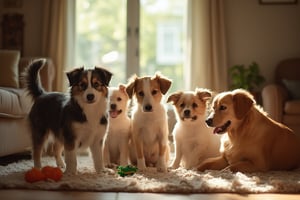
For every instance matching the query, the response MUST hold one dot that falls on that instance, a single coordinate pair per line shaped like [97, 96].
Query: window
[131, 36]
[168, 43]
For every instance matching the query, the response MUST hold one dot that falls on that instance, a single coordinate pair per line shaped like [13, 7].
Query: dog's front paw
[60, 164]
[204, 166]
[174, 166]
[162, 169]
[100, 170]
[161, 166]
[71, 169]
[111, 166]
[141, 165]
[142, 168]
[106, 171]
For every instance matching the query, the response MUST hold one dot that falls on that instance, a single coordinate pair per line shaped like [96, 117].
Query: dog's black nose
[90, 97]
[148, 108]
[209, 121]
[113, 106]
[187, 113]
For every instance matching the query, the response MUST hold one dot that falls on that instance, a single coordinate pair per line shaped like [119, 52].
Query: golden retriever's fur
[253, 142]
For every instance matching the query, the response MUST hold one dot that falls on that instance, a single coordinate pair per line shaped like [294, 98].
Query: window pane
[162, 35]
[101, 36]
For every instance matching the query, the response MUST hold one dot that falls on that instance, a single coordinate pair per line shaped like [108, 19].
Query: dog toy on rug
[47, 172]
[126, 170]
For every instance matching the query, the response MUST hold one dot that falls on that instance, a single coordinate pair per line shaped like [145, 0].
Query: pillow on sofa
[293, 87]
[9, 69]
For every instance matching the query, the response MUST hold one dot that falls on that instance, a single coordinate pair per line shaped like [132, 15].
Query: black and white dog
[77, 120]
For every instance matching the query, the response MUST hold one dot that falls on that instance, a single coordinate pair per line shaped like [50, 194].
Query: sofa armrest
[46, 74]
[273, 98]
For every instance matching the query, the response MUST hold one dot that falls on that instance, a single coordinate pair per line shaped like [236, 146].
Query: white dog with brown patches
[149, 121]
[116, 142]
[194, 141]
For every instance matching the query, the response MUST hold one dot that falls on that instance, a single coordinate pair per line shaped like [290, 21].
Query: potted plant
[248, 78]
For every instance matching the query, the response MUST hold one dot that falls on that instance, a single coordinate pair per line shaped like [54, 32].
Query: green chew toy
[126, 170]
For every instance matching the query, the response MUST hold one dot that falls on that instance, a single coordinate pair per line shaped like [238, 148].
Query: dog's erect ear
[74, 75]
[131, 85]
[174, 97]
[203, 94]
[164, 83]
[104, 75]
[242, 102]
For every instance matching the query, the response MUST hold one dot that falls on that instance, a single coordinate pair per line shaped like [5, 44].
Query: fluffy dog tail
[32, 78]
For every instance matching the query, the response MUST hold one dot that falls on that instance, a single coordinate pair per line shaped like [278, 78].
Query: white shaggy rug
[175, 181]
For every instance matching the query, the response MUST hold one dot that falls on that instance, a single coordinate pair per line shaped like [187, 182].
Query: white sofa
[15, 104]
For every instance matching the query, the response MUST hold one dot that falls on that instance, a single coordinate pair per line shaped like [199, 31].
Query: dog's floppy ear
[242, 102]
[174, 97]
[74, 75]
[122, 88]
[104, 75]
[131, 85]
[203, 94]
[164, 82]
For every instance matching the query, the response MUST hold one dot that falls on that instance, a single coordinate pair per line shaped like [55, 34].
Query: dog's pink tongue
[217, 130]
[113, 114]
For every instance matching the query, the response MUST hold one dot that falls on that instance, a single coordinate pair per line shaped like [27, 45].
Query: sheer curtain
[206, 45]
[59, 37]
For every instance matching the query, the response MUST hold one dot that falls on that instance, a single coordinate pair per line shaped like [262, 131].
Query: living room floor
[77, 195]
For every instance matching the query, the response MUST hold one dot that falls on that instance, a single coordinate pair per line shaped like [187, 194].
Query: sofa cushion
[15, 103]
[292, 107]
[292, 87]
[9, 68]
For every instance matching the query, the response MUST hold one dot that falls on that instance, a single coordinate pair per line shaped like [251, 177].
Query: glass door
[132, 36]
[162, 38]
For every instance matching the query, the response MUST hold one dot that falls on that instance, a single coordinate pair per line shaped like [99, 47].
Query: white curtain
[59, 37]
[206, 47]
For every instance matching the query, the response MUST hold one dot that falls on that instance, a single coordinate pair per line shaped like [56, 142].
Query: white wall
[262, 33]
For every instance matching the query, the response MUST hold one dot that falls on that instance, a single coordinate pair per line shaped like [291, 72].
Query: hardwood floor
[75, 195]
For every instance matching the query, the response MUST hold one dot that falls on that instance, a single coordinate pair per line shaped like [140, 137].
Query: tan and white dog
[149, 121]
[117, 139]
[194, 141]
[253, 141]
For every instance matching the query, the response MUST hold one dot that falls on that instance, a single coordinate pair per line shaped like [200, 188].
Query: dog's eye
[154, 92]
[195, 105]
[96, 84]
[141, 94]
[82, 86]
[119, 99]
[182, 105]
[223, 107]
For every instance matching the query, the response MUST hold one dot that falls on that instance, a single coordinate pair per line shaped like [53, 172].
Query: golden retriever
[253, 142]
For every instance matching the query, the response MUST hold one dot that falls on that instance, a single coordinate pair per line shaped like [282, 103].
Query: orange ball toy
[53, 173]
[47, 172]
[34, 175]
